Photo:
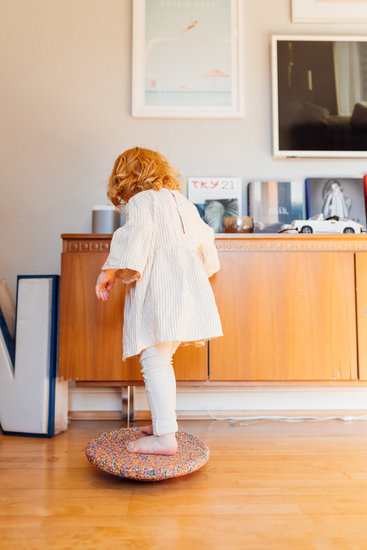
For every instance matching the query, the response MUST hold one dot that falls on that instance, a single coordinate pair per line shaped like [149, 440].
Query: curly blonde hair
[137, 170]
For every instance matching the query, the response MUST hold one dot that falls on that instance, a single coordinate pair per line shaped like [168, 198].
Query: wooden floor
[267, 485]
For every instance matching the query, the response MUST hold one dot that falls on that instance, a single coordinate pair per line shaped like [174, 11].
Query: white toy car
[318, 224]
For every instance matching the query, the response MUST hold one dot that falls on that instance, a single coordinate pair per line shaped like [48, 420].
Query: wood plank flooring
[267, 485]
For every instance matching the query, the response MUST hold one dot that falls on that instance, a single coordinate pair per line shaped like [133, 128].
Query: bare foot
[147, 429]
[154, 444]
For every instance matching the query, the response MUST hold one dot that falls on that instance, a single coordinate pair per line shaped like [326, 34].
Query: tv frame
[283, 154]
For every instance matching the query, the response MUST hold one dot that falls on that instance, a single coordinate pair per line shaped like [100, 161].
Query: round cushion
[108, 452]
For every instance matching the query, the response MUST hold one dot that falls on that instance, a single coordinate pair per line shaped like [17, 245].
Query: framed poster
[319, 85]
[334, 196]
[329, 11]
[216, 199]
[187, 59]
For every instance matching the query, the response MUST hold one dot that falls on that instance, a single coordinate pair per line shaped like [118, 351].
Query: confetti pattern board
[108, 452]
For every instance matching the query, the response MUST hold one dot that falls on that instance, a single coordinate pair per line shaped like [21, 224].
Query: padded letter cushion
[108, 452]
[8, 308]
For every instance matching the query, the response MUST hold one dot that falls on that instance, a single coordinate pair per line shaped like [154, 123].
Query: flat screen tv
[319, 96]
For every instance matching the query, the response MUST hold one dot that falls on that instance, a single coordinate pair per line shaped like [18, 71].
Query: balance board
[108, 452]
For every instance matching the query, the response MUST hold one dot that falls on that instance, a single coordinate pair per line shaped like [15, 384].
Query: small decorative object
[108, 452]
[105, 219]
[187, 59]
[342, 197]
[329, 11]
[273, 203]
[238, 224]
[318, 224]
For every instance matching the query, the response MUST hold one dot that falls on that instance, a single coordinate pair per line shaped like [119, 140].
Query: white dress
[172, 253]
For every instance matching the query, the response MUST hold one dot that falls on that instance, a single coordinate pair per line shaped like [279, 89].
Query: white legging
[160, 385]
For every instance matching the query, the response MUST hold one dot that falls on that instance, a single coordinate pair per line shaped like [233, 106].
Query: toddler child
[164, 253]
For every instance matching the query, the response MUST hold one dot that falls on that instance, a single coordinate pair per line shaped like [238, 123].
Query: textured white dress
[172, 253]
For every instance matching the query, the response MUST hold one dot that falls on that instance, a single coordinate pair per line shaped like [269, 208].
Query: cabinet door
[361, 294]
[285, 316]
[91, 330]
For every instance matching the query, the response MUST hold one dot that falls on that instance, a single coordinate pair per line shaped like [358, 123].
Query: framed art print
[329, 11]
[187, 59]
[319, 86]
[216, 199]
[334, 196]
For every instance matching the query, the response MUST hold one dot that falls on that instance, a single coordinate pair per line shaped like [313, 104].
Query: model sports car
[318, 224]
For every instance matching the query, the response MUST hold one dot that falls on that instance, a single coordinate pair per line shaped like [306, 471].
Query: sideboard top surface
[235, 242]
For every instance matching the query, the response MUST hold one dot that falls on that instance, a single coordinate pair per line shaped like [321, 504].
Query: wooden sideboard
[293, 309]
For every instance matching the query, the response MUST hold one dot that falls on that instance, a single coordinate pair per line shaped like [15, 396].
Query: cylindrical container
[105, 219]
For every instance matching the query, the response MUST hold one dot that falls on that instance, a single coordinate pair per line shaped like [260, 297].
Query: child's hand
[104, 284]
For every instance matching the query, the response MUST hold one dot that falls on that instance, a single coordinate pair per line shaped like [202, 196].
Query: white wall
[65, 68]
[65, 115]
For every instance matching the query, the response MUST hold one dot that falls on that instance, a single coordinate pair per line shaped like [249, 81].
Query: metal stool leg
[127, 405]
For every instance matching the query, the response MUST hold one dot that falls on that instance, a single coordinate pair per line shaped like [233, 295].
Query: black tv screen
[319, 96]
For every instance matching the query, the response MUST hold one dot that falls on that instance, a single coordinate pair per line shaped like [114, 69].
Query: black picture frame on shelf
[335, 196]
[319, 86]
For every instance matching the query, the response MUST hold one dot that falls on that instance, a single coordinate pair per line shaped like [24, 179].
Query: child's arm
[205, 242]
[107, 279]
[208, 251]
[104, 284]
[131, 243]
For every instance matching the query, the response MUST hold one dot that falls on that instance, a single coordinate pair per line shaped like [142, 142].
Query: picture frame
[187, 59]
[334, 195]
[216, 198]
[317, 107]
[329, 11]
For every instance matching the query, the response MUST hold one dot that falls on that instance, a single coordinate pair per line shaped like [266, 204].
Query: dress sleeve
[131, 243]
[208, 251]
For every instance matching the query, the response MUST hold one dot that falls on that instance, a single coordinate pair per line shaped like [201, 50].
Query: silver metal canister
[105, 219]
